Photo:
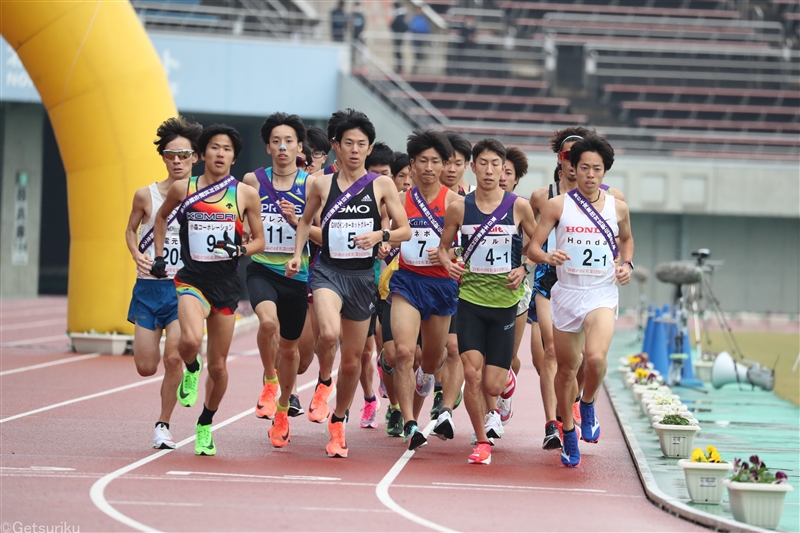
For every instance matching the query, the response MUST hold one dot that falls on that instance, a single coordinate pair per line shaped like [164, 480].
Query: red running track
[89, 464]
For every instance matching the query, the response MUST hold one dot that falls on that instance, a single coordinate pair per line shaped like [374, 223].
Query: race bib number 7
[415, 251]
[204, 235]
[341, 235]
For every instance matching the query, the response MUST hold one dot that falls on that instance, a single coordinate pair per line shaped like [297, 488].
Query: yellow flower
[698, 456]
[715, 457]
[642, 373]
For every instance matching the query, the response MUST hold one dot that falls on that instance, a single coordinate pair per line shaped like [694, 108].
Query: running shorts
[428, 295]
[570, 305]
[525, 302]
[356, 289]
[219, 295]
[289, 296]
[489, 330]
[154, 303]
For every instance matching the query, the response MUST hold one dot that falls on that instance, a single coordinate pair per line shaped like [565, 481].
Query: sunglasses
[183, 155]
[564, 154]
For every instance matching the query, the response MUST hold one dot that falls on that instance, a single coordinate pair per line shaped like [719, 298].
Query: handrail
[197, 9]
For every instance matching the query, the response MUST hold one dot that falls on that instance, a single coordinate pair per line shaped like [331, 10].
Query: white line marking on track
[36, 340]
[97, 492]
[51, 363]
[284, 477]
[34, 312]
[517, 487]
[39, 468]
[382, 490]
[38, 324]
[257, 506]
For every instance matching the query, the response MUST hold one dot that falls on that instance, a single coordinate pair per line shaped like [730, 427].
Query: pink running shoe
[369, 413]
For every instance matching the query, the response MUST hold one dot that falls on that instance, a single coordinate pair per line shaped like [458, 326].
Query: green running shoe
[204, 442]
[438, 398]
[394, 428]
[187, 391]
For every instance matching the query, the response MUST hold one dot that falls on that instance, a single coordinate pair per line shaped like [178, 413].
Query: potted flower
[756, 494]
[676, 435]
[704, 473]
[702, 367]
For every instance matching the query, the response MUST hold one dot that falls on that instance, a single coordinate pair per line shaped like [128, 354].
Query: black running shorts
[488, 330]
[289, 296]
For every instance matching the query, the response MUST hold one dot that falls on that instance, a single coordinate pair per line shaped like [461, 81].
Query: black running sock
[369, 399]
[327, 382]
[577, 399]
[408, 425]
[335, 419]
[558, 418]
[165, 424]
[437, 386]
[569, 430]
[206, 417]
[193, 367]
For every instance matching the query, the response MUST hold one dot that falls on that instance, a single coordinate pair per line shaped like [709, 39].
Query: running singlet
[279, 235]
[484, 279]
[203, 225]
[591, 263]
[414, 252]
[172, 243]
[359, 215]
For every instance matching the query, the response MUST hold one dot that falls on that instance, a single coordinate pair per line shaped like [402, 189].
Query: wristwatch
[527, 268]
[629, 263]
[458, 251]
[386, 235]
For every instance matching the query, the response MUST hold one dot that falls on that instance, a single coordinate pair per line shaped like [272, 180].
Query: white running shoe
[504, 406]
[425, 382]
[163, 439]
[445, 427]
[493, 424]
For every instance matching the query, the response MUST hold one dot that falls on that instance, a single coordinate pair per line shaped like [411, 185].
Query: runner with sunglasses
[588, 223]
[154, 303]
[211, 211]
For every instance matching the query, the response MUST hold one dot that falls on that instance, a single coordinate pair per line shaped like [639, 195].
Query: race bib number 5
[204, 235]
[341, 235]
[588, 260]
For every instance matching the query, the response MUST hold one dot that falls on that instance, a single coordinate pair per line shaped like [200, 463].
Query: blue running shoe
[590, 425]
[570, 454]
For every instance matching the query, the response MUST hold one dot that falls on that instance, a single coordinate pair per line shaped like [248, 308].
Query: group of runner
[380, 252]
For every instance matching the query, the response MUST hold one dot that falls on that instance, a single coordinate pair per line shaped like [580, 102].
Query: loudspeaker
[725, 370]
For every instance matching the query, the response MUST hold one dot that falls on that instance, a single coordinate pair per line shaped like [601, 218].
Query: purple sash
[392, 254]
[269, 188]
[189, 201]
[487, 225]
[595, 218]
[346, 196]
[423, 207]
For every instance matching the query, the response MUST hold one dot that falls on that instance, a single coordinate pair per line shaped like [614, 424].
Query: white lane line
[82, 398]
[240, 506]
[224, 474]
[97, 492]
[382, 490]
[37, 324]
[51, 363]
[36, 340]
[516, 487]
[34, 312]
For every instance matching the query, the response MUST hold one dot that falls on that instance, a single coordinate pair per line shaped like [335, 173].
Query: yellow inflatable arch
[105, 91]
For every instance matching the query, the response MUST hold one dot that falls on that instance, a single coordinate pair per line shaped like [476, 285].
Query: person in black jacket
[399, 27]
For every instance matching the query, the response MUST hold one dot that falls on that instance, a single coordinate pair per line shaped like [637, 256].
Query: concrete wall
[21, 198]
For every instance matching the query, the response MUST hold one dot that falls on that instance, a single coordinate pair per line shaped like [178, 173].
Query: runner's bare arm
[315, 232]
[617, 194]
[453, 217]
[547, 221]
[538, 200]
[313, 205]
[139, 211]
[625, 243]
[386, 193]
[175, 195]
[402, 197]
[252, 216]
[524, 215]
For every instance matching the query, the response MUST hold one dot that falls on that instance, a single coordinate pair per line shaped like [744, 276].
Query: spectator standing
[358, 22]
[338, 22]
[419, 26]
[399, 27]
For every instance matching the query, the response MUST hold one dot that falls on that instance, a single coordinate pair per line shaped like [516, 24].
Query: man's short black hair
[400, 162]
[381, 155]
[355, 120]
[560, 136]
[317, 140]
[221, 129]
[459, 144]
[518, 160]
[175, 127]
[283, 119]
[492, 145]
[419, 141]
[592, 143]
[334, 121]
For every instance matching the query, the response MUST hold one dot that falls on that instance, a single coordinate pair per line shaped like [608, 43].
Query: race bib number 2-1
[341, 235]
[588, 260]
[204, 235]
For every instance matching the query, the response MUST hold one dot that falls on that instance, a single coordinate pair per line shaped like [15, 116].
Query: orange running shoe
[318, 411]
[337, 447]
[265, 407]
[576, 413]
[279, 432]
[481, 455]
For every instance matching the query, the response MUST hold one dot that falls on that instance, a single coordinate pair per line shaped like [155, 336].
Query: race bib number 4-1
[172, 251]
[415, 251]
[588, 260]
[204, 235]
[493, 254]
[341, 235]
[279, 236]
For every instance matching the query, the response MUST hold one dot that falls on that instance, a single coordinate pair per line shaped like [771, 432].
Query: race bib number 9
[204, 235]
[415, 251]
[588, 260]
[341, 235]
[279, 236]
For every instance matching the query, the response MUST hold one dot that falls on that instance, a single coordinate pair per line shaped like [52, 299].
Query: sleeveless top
[279, 235]
[360, 215]
[591, 263]
[413, 253]
[172, 243]
[484, 280]
[204, 224]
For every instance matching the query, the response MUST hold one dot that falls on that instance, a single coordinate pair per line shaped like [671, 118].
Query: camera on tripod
[702, 254]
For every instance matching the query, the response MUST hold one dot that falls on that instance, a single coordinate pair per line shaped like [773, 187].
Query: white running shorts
[569, 306]
[525, 302]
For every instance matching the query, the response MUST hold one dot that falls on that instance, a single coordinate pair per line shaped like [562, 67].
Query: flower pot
[702, 370]
[704, 480]
[110, 344]
[685, 414]
[757, 504]
[676, 441]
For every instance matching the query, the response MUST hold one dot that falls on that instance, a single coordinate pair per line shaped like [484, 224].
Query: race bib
[279, 235]
[340, 238]
[493, 254]
[588, 260]
[172, 250]
[204, 235]
[415, 251]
